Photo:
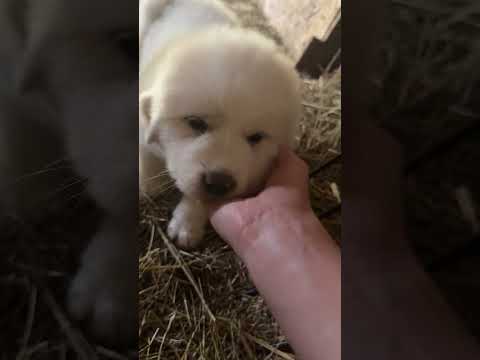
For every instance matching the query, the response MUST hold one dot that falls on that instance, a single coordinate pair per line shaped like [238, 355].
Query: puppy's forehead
[226, 83]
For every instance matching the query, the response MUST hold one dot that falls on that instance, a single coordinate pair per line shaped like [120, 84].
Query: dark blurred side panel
[411, 210]
[68, 179]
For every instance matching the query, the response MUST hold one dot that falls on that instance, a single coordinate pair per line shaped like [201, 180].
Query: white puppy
[216, 101]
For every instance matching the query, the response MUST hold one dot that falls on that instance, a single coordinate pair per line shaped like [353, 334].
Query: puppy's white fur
[196, 60]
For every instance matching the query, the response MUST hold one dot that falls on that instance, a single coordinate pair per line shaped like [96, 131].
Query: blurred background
[46, 216]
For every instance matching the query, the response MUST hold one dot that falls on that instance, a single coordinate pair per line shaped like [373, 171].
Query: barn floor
[201, 305]
[180, 293]
[175, 317]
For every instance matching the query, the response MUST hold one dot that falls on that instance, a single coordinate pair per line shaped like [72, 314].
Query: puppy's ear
[151, 130]
[145, 105]
[152, 135]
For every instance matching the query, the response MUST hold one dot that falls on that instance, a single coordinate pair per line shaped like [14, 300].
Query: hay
[201, 305]
[197, 305]
[321, 125]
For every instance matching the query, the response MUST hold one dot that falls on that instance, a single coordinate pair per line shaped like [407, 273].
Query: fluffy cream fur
[196, 61]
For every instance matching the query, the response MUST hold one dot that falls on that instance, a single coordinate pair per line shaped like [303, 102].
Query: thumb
[290, 170]
[228, 222]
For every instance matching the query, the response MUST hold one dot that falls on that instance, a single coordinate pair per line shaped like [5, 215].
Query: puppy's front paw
[106, 305]
[187, 226]
[186, 233]
[104, 294]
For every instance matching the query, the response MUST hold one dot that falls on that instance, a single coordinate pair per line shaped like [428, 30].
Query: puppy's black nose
[218, 183]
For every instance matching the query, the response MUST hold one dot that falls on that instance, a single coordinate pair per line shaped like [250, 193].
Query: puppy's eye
[197, 124]
[256, 138]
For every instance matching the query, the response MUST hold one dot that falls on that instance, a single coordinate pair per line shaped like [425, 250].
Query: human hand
[286, 190]
[291, 259]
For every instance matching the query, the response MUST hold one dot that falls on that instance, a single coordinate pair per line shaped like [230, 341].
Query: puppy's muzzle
[218, 183]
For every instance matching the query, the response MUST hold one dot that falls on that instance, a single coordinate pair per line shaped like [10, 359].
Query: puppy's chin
[196, 193]
[194, 190]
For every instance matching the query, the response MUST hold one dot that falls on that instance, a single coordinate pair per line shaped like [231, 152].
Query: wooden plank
[300, 21]
[322, 55]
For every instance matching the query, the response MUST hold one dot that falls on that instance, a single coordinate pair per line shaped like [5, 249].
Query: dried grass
[198, 305]
[202, 305]
[321, 125]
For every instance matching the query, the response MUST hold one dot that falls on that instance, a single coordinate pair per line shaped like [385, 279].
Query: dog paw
[187, 233]
[108, 306]
[103, 295]
[187, 226]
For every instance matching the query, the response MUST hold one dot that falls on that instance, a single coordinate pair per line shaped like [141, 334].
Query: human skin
[391, 308]
[292, 260]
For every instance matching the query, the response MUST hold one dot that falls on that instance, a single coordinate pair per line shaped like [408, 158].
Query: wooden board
[299, 22]
[322, 56]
